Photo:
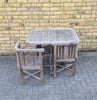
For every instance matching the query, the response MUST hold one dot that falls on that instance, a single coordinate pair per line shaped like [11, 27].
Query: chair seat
[65, 60]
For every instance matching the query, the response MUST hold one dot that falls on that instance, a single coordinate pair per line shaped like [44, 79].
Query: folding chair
[27, 60]
[65, 56]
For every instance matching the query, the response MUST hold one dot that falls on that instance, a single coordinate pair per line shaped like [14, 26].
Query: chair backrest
[66, 52]
[28, 58]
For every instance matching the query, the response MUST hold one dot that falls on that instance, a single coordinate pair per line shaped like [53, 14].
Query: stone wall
[18, 17]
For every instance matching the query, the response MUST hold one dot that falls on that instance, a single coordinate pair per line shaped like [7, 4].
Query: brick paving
[64, 87]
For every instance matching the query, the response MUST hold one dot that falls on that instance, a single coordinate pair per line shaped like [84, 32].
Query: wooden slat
[17, 48]
[58, 52]
[29, 59]
[73, 54]
[36, 72]
[65, 60]
[70, 52]
[33, 59]
[37, 64]
[66, 52]
[19, 67]
[29, 74]
[54, 61]
[63, 67]
[74, 51]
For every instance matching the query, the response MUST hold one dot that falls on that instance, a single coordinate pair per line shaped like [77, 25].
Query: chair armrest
[17, 45]
[30, 50]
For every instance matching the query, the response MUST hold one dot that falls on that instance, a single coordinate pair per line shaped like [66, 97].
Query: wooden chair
[29, 59]
[65, 56]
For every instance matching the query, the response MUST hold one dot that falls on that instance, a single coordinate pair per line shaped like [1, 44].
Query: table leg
[51, 60]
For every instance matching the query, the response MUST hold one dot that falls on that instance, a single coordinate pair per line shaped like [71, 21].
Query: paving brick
[5, 90]
[20, 92]
[83, 86]
[24, 98]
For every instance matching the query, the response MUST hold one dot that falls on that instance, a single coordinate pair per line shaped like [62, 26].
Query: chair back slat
[61, 52]
[37, 63]
[66, 52]
[73, 53]
[34, 60]
[58, 51]
[28, 59]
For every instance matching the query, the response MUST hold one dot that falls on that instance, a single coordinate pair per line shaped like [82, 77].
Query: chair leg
[74, 68]
[54, 61]
[42, 82]
[21, 75]
[51, 60]
[41, 76]
[55, 67]
[41, 69]
[54, 70]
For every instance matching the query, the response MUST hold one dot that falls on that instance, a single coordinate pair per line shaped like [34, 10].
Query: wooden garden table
[53, 37]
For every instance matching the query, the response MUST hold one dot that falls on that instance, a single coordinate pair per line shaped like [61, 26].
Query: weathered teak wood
[64, 41]
[52, 36]
[29, 59]
[41, 68]
[59, 58]
[54, 61]
[19, 69]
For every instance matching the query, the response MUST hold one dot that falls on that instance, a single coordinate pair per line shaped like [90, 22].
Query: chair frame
[27, 65]
[72, 60]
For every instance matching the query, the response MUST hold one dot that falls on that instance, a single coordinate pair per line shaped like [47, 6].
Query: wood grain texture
[28, 59]
[65, 54]
[52, 36]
